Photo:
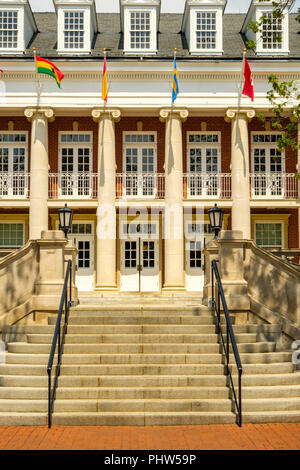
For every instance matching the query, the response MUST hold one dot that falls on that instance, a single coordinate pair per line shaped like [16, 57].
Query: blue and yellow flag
[175, 89]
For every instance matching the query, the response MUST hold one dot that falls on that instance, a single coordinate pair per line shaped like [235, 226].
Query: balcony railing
[274, 185]
[73, 185]
[151, 186]
[143, 185]
[14, 185]
[210, 185]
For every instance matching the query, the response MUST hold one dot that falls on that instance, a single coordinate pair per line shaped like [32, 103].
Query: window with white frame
[206, 30]
[140, 164]
[13, 164]
[269, 235]
[11, 234]
[74, 29]
[8, 29]
[75, 150]
[268, 165]
[272, 31]
[203, 163]
[140, 30]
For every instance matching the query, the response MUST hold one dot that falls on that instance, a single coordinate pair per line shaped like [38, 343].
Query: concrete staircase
[152, 366]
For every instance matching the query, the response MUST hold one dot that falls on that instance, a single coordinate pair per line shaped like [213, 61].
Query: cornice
[159, 76]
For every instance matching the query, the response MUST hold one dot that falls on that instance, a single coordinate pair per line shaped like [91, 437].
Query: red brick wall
[66, 124]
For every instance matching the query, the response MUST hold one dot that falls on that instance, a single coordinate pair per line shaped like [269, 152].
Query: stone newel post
[106, 212]
[173, 219]
[240, 173]
[38, 212]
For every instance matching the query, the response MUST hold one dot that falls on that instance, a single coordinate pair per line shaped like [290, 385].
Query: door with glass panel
[139, 258]
[197, 235]
[13, 164]
[75, 178]
[203, 164]
[83, 238]
[268, 166]
[139, 165]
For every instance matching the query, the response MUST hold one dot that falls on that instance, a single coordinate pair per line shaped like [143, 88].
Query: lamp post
[216, 219]
[65, 216]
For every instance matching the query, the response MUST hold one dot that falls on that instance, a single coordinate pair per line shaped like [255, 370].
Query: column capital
[98, 113]
[231, 113]
[48, 113]
[166, 113]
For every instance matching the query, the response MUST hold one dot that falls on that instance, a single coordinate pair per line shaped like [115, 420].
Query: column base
[106, 288]
[173, 288]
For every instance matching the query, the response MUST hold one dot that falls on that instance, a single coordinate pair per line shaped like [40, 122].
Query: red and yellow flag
[104, 81]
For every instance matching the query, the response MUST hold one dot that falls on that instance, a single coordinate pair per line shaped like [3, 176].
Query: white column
[106, 212]
[240, 174]
[38, 212]
[173, 218]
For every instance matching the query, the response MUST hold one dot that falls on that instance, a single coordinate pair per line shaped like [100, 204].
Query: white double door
[196, 237]
[140, 262]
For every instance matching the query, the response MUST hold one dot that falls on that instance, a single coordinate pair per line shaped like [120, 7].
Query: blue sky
[171, 6]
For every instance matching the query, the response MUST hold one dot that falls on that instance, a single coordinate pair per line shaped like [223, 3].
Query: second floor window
[74, 30]
[140, 30]
[272, 32]
[206, 30]
[8, 29]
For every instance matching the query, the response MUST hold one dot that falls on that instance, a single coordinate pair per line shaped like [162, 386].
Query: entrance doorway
[140, 257]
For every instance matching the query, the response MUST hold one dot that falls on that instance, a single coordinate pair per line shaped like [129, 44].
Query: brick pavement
[283, 436]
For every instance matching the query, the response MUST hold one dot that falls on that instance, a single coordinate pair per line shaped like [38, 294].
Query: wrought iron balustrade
[274, 185]
[14, 185]
[140, 185]
[73, 185]
[207, 185]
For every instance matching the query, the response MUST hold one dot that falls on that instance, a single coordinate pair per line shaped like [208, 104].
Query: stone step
[41, 393]
[258, 347]
[142, 338]
[23, 381]
[12, 358]
[143, 418]
[274, 368]
[178, 311]
[286, 416]
[32, 348]
[10, 418]
[272, 391]
[272, 404]
[141, 329]
[138, 369]
[263, 358]
[124, 405]
[119, 381]
[257, 380]
[138, 320]
[24, 406]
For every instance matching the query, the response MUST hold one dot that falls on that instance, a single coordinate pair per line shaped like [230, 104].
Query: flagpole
[240, 88]
[39, 86]
[105, 102]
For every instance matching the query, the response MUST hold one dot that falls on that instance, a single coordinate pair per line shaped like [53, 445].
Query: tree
[283, 96]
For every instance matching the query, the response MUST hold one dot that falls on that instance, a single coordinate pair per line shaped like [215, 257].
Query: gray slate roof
[169, 36]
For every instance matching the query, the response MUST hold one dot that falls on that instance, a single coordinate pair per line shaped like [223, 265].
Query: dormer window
[17, 26]
[203, 26]
[76, 26]
[139, 19]
[272, 32]
[272, 38]
[140, 30]
[206, 30]
[74, 30]
[8, 29]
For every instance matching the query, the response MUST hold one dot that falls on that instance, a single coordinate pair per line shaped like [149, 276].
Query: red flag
[248, 86]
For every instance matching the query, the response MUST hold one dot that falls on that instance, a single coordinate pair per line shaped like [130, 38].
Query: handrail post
[227, 347]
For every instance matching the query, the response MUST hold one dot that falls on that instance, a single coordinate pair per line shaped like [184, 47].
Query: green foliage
[284, 97]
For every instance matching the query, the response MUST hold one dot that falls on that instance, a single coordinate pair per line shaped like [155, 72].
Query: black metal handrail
[217, 298]
[59, 339]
